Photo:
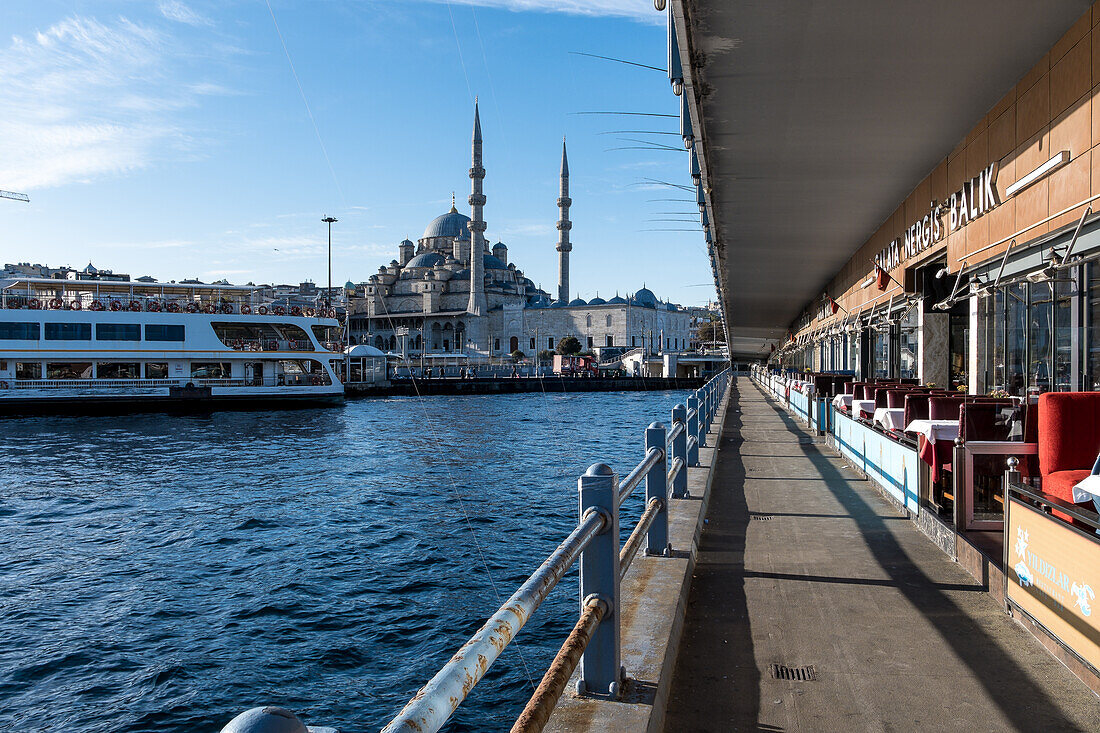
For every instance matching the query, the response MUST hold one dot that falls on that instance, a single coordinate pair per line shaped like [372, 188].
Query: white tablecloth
[935, 430]
[891, 418]
[842, 400]
[859, 406]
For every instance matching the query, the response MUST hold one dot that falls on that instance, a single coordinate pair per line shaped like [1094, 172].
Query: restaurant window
[908, 365]
[1092, 330]
[117, 370]
[1014, 304]
[69, 369]
[165, 332]
[959, 346]
[19, 331]
[156, 370]
[28, 370]
[881, 353]
[118, 332]
[853, 352]
[210, 370]
[68, 332]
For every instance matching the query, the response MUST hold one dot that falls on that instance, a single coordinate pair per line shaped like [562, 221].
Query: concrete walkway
[803, 563]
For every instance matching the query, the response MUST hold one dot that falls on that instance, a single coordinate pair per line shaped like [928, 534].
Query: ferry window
[117, 370]
[28, 370]
[155, 370]
[69, 369]
[210, 370]
[68, 332]
[20, 331]
[118, 332]
[163, 333]
[330, 337]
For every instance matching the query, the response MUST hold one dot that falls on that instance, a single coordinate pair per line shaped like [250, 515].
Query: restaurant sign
[1053, 574]
[977, 197]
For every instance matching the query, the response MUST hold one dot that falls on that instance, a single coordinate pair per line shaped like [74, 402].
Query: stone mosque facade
[437, 298]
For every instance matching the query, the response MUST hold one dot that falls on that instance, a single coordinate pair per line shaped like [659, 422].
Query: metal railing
[594, 642]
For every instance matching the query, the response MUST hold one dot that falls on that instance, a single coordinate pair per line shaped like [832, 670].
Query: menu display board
[1053, 574]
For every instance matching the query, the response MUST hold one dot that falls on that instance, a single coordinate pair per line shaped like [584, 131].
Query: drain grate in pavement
[795, 674]
[761, 517]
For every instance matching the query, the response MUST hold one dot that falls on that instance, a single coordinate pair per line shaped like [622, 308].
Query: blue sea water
[165, 572]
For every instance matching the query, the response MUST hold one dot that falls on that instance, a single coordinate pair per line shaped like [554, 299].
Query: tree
[569, 345]
[518, 356]
[546, 355]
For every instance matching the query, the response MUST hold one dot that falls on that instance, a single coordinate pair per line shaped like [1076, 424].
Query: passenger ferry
[66, 343]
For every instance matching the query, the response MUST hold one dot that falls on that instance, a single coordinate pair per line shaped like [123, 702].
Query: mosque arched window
[588, 321]
[609, 320]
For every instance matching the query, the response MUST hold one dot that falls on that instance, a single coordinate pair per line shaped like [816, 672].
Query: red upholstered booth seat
[1069, 439]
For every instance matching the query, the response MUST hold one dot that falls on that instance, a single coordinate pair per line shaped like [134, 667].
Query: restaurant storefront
[963, 339]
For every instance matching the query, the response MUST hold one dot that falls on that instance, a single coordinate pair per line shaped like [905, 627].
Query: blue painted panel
[888, 463]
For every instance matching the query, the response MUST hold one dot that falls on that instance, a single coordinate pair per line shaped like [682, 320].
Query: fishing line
[454, 487]
[458, 43]
[305, 101]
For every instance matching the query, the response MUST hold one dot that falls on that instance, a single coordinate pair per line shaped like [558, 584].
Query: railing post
[599, 574]
[703, 420]
[679, 450]
[656, 487]
[693, 430]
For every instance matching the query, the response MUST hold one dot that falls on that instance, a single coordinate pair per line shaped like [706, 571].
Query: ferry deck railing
[594, 642]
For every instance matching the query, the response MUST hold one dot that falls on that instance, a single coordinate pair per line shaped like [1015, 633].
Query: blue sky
[170, 137]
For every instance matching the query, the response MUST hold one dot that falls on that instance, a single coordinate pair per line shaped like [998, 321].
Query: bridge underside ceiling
[817, 119]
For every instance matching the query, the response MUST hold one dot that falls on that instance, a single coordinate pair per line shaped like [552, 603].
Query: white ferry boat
[66, 343]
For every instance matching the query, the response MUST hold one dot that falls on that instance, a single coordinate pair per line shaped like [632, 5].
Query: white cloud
[177, 11]
[636, 9]
[85, 99]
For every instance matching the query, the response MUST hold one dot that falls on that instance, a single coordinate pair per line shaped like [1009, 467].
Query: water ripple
[162, 573]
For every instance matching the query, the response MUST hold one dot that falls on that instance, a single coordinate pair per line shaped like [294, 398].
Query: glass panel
[28, 370]
[20, 331]
[1093, 340]
[960, 351]
[70, 369]
[1015, 339]
[907, 346]
[1041, 343]
[68, 332]
[155, 370]
[118, 332]
[117, 370]
[1063, 335]
[164, 332]
[210, 370]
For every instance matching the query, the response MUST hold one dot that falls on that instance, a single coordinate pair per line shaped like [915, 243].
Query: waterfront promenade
[803, 563]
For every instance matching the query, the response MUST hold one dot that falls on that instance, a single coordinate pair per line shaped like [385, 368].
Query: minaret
[564, 225]
[477, 305]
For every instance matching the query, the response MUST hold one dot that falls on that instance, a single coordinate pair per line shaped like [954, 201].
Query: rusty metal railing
[594, 644]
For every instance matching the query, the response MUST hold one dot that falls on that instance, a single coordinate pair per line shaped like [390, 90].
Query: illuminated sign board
[1053, 574]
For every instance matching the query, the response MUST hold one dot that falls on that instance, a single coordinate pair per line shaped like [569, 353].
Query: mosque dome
[644, 298]
[408, 242]
[617, 301]
[597, 301]
[426, 259]
[578, 301]
[451, 224]
[349, 285]
[558, 304]
[493, 263]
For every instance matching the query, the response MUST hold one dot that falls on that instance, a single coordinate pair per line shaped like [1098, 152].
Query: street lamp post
[330, 220]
